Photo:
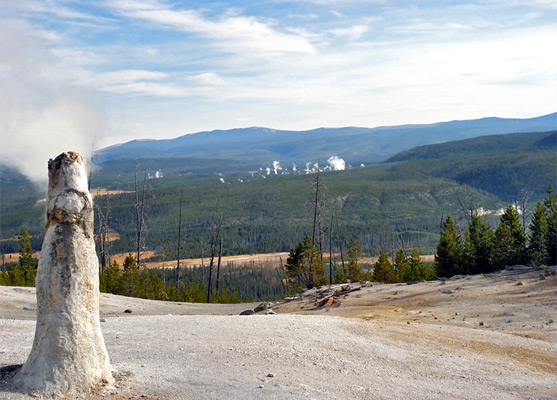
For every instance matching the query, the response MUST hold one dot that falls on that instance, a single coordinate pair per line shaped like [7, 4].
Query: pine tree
[511, 218]
[550, 203]
[384, 271]
[354, 253]
[448, 260]
[402, 267]
[131, 278]
[418, 270]
[478, 244]
[27, 264]
[501, 253]
[304, 265]
[339, 275]
[537, 249]
[112, 279]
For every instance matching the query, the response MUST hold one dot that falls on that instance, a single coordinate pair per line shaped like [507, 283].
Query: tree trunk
[218, 267]
[179, 240]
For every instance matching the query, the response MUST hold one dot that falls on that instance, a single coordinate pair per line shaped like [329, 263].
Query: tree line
[483, 250]
[480, 250]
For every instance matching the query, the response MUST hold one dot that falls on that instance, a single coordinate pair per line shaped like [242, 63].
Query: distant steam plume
[41, 113]
[336, 163]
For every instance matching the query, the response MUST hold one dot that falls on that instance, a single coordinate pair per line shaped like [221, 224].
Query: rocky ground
[470, 337]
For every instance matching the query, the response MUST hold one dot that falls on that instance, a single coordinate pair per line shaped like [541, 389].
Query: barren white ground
[485, 337]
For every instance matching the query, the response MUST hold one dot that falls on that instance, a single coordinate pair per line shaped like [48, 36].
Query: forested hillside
[397, 203]
[503, 165]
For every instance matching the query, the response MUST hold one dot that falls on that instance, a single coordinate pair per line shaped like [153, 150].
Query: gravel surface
[293, 356]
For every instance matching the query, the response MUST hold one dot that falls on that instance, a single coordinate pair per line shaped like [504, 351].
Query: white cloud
[207, 78]
[353, 32]
[231, 32]
[128, 76]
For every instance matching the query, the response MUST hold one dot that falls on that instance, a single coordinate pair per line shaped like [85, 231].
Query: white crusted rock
[68, 354]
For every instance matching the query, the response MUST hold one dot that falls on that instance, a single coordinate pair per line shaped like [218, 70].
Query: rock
[263, 306]
[550, 321]
[68, 354]
[519, 283]
[270, 312]
[128, 311]
[481, 323]
[247, 312]
[103, 320]
[447, 291]
[270, 375]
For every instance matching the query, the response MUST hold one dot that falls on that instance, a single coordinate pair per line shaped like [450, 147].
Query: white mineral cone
[68, 354]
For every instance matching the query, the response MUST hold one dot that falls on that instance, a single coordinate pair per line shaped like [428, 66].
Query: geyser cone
[68, 354]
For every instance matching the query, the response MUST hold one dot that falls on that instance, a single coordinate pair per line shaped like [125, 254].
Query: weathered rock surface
[68, 353]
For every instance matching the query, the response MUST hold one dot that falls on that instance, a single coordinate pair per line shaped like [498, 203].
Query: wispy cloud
[234, 32]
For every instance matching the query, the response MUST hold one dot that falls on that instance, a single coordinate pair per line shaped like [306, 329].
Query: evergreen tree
[478, 244]
[355, 251]
[339, 275]
[384, 271]
[402, 267]
[130, 281]
[4, 278]
[17, 278]
[304, 265]
[550, 203]
[511, 219]
[418, 270]
[111, 279]
[501, 253]
[27, 264]
[448, 260]
[537, 249]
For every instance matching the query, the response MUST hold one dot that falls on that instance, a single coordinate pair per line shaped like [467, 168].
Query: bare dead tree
[215, 235]
[140, 221]
[521, 203]
[179, 239]
[218, 267]
[339, 242]
[331, 247]
[102, 233]
[281, 280]
[202, 261]
[316, 207]
[284, 272]
[468, 203]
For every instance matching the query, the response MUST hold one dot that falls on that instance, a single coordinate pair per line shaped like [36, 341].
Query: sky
[88, 74]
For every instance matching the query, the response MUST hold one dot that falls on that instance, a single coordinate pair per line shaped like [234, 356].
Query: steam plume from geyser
[41, 113]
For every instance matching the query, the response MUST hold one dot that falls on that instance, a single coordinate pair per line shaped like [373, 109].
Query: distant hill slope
[262, 145]
[502, 165]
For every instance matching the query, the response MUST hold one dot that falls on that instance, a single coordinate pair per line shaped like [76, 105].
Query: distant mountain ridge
[353, 144]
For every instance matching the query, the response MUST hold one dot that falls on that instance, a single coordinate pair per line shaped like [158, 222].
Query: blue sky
[117, 70]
